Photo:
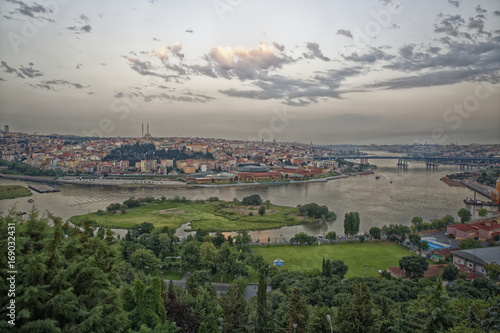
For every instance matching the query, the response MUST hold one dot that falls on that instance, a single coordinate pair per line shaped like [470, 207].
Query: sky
[321, 71]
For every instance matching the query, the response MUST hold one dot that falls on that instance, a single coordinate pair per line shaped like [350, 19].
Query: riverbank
[129, 183]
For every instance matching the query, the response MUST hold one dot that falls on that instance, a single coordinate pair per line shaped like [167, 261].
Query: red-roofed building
[461, 231]
[486, 229]
[483, 230]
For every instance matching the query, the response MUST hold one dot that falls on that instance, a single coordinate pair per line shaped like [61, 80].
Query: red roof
[463, 227]
[486, 225]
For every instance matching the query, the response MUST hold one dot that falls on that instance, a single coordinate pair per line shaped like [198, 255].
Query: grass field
[14, 191]
[376, 256]
[210, 216]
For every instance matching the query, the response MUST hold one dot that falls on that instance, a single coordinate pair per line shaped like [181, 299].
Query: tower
[6, 128]
[142, 130]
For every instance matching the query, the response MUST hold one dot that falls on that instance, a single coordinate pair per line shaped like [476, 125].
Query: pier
[43, 188]
[481, 189]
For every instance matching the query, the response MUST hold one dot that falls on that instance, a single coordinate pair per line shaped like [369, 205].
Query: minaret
[142, 130]
[148, 129]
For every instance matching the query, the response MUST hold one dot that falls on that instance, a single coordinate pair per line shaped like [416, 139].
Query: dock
[481, 189]
[43, 188]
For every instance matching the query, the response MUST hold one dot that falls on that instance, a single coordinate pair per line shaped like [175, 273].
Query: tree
[492, 270]
[242, 240]
[415, 239]
[226, 259]
[375, 232]
[149, 309]
[143, 258]
[470, 243]
[190, 255]
[262, 210]
[179, 313]
[414, 266]
[208, 256]
[317, 321]
[450, 273]
[351, 223]
[331, 236]
[297, 312]
[262, 303]
[207, 309]
[356, 315]
[234, 310]
[482, 212]
[338, 268]
[417, 223]
[464, 214]
[252, 200]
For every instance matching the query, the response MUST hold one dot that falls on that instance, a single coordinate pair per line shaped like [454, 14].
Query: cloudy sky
[327, 72]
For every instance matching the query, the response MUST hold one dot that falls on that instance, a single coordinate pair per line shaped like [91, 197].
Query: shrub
[250, 214]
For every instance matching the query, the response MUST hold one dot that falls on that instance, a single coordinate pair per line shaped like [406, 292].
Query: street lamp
[294, 327]
[330, 322]
[220, 325]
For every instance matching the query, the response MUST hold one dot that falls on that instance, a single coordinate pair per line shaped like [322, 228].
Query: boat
[31, 200]
[377, 177]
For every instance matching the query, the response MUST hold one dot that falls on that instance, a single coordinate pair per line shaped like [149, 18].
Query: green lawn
[208, 216]
[14, 191]
[376, 256]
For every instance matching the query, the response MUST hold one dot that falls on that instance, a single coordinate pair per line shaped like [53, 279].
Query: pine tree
[262, 303]
[356, 315]
[298, 312]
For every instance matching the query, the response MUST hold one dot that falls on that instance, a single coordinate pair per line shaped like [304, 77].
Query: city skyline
[385, 72]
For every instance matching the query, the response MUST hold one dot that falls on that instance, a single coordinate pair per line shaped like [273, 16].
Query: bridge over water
[430, 162]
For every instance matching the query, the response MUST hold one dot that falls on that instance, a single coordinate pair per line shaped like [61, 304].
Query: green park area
[14, 191]
[375, 255]
[209, 216]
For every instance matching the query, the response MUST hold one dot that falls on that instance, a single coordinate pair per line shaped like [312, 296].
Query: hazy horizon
[379, 71]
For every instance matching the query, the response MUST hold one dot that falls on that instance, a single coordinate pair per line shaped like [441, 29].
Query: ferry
[477, 202]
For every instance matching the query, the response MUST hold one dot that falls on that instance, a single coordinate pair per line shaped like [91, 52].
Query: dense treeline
[137, 152]
[21, 168]
[73, 279]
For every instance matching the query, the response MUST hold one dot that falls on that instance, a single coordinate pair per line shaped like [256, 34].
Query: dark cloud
[9, 69]
[281, 48]
[296, 92]
[86, 28]
[315, 52]
[156, 39]
[480, 10]
[64, 83]
[450, 25]
[374, 55]
[455, 3]
[496, 13]
[344, 32]
[394, 26]
[30, 72]
[147, 69]
[149, 96]
[477, 24]
[34, 11]
[84, 18]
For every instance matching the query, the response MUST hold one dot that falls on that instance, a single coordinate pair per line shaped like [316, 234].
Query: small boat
[31, 200]
[377, 177]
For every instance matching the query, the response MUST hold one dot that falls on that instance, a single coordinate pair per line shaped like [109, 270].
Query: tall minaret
[148, 128]
[142, 130]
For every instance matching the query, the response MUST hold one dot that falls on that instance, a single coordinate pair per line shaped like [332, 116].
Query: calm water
[415, 192]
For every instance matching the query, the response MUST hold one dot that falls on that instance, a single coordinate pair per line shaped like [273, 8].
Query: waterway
[395, 197]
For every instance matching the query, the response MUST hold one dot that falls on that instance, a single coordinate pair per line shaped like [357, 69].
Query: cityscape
[250, 166]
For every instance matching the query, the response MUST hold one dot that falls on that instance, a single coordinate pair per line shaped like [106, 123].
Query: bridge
[430, 162]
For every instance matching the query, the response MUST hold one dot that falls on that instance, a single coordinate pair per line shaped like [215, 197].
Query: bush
[252, 200]
[496, 237]
[262, 210]
[132, 202]
[250, 214]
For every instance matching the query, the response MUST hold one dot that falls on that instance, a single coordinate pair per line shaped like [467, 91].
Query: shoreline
[154, 183]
